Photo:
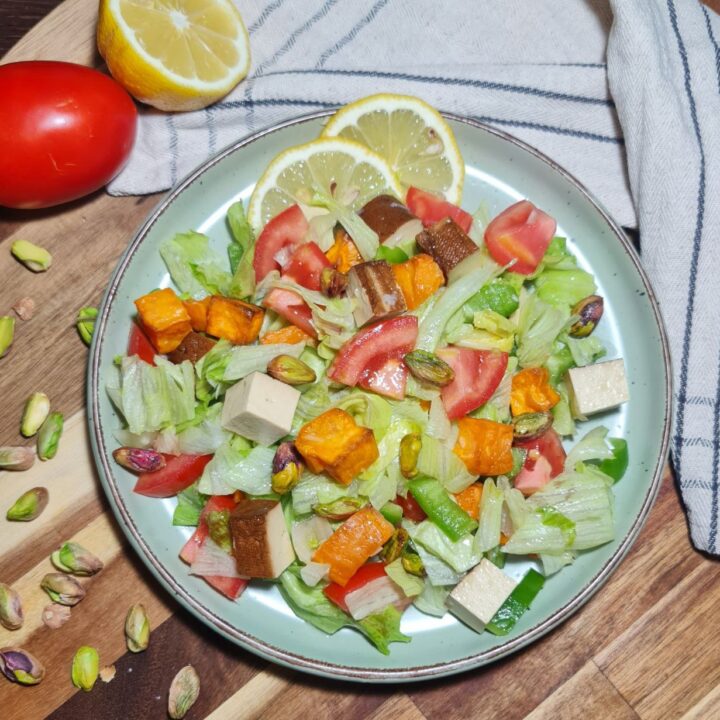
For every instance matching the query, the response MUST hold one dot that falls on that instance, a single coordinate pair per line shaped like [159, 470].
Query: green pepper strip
[393, 255]
[496, 556]
[392, 513]
[437, 505]
[516, 604]
[616, 466]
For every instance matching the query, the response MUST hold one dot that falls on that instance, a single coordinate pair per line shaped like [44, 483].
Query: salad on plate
[376, 399]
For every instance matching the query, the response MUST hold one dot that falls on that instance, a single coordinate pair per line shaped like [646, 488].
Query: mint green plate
[499, 171]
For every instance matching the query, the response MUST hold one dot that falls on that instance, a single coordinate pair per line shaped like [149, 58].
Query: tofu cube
[261, 542]
[447, 243]
[374, 287]
[480, 594]
[260, 408]
[597, 387]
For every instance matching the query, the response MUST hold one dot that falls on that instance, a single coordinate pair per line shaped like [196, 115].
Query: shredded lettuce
[564, 287]
[553, 563]
[538, 326]
[499, 296]
[366, 240]
[411, 585]
[431, 600]
[383, 628]
[204, 437]
[237, 467]
[592, 446]
[154, 397]
[194, 266]
[497, 408]
[563, 422]
[559, 361]
[190, 503]
[557, 257]
[247, 359]
[460, 555]
[439, 425]
[439, 573]
[368, 410]
[380, 486]
[491, 506]
[315, 489]
[585, 350]
[535, 536]
[437, 460]
[240, 252]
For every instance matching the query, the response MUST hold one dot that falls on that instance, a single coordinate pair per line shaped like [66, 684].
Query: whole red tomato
[65, 130]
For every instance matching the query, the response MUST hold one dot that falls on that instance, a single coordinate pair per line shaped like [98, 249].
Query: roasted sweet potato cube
[335, 444]
[234, 320]
[290, 335]
[164, 319]
[418, 278]
[198, 310]
[343, 254]
[484, 446]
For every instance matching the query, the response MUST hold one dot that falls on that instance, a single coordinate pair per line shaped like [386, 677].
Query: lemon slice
[411, 135]
[174, 54]
[343, 169]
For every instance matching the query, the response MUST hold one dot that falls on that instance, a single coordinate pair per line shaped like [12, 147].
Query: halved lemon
[174, 54]
[343, 169]
[411, 135]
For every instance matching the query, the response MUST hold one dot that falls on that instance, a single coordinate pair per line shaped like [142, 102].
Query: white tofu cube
[597, 387]
[260, 408]
[480, 594]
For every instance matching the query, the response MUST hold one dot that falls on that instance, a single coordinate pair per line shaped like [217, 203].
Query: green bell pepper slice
[616, 466]
[516, 604]
[433, 498]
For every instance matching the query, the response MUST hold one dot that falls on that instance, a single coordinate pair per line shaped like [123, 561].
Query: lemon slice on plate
[174, 54]
[345, 170]
[411, 135]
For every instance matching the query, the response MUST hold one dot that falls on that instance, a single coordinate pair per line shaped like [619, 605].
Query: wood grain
[647, 646]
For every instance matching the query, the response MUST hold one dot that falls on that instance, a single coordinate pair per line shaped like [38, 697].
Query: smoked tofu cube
[597, 387]
[374, 287]
[261, 542]
[260, 408]
[479, 595]
[446, 243]
[390, 219]
[193, 346]
[335, 444]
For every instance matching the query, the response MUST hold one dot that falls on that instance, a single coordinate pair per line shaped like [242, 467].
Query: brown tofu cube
[447, 243]
[261, 542]
[192, 348]
[386, 215]
[376, 290]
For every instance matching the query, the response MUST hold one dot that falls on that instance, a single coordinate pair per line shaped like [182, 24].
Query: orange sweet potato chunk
[344, 253]
[357, 539]
[469, 500]
[234, 320]
[418, 278]
[164, 319]
[532, 392]
[198, 310]
[289, 335]
[335, 444]
[484, 446]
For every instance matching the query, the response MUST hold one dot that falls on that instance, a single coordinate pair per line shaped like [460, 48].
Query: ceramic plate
[499, 171]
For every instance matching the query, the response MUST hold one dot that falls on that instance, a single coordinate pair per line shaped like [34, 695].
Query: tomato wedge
[286, 229]
[549, 445]
[477, 375]
[534, 475]
[365, 574]
[432, 208]
[305, 266]
[180, 472]
[411, 509]
[230, 587]
[292, 307]
[138, 344]
[371, 358]
[521, 232]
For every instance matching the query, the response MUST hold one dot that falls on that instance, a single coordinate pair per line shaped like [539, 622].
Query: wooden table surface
[646, 646]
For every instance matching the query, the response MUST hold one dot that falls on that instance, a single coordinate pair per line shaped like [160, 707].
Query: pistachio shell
[184, 691]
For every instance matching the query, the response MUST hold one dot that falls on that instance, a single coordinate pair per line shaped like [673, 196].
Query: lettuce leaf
[460, 555]
[585, 350]
[491, 506]
[240, 252]
[365, 238]
[539, 324]
[437, 460]
[564, 287]
[314, 489]
[247, 359]
[237, 467]
[205, 436]
[592, 446]
[383, 628]
[431, 600]
[439, 573]
[190, 503]
[411, 585]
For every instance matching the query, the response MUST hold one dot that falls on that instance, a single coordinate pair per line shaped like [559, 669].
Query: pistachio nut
[394, 547]
[74, 558]
[85, 323]
[20, 666]
[85, 668]
[410, 447]
[16, 458]
[29, 505]
[37, 408]
[531, 425]
[340, 509]
[139, 460]
[48, 437]
[33, 257]
[137, 628]
[63, 589]
[333, 283]
[589, 311]
[24, 308]
[7, 332]
[11, 613]
[290, 370]
[429, 368]
[219, 529]
[287, 468]
[55, 616]
[184, 691]
[412, 562]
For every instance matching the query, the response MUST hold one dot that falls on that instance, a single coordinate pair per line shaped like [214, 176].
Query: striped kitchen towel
[537, 70]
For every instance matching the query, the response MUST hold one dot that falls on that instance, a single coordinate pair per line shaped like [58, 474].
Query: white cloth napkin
[538, 70]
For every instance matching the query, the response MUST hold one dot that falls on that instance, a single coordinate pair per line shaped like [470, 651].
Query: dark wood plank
[18, 16]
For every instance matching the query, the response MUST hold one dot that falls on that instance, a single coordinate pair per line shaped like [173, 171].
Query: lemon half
[174, 54]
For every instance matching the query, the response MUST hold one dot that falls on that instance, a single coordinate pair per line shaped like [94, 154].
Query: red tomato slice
[365, 574]
[477, 375]
[549, 445]
[292, 307]
[431, 209]
[522, 232]
[138, 344]
[388, 377]
[305, 266]
[287, 228]
[411, 509]
[180, 472]
[535, 474]
[370, 350]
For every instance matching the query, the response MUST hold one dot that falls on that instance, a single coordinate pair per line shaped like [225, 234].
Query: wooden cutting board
[647, 646]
